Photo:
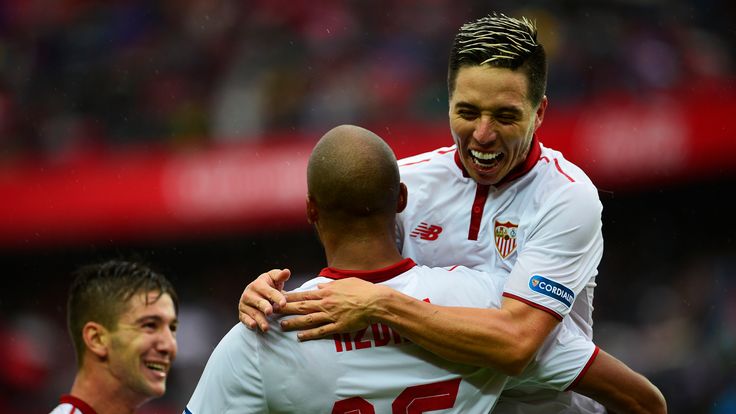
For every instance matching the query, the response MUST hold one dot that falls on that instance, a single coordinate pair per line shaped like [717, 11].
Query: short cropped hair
[352, 172]
[503, 42]
[100, 292]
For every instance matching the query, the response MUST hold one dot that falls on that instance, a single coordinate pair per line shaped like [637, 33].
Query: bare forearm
[481, 337]
[619, 388]
[505, 339]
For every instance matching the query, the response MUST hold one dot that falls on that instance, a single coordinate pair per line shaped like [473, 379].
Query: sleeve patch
[552, 289]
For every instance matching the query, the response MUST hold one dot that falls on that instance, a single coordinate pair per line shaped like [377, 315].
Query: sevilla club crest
[505, 236]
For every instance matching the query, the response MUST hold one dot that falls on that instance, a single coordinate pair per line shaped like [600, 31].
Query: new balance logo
[426, 231]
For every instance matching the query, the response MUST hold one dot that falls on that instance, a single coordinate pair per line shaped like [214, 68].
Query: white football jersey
[540, 228]
[374, 369]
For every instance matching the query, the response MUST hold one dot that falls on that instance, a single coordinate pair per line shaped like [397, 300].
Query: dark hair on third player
[504, 42]
[352, 173]
[100, 292]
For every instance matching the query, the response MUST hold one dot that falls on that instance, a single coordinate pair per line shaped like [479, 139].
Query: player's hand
[262, 297]
[341, 306]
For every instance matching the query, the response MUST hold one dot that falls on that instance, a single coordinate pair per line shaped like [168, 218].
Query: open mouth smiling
[158, 367]
[486, 160]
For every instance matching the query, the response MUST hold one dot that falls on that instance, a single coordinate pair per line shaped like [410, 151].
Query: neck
[104, 393]
[364, 248]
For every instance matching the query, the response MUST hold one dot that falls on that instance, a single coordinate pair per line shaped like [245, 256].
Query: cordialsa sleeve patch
[552, 289]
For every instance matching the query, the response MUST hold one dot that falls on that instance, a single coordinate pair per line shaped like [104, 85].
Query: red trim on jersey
[460, 165]
[415, 162]
[481, 192]
[453, 268]
[535, 150]
[374, 276]
[584, 370]
[77, 403]
[438, 151]
[476, 212]
[557, 164]
[533, 304]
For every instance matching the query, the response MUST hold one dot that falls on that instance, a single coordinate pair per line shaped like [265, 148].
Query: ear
[403, 197]
[312, 214]
[540, 112]
[96, 338]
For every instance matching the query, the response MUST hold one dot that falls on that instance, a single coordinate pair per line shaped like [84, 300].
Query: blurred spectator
[87, 75]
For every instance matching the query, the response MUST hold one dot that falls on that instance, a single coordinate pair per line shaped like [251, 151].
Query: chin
[484, 180]
[156, 390]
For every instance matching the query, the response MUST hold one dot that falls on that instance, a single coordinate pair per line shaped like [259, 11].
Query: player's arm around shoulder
[484, 335]
[561, 253]
[479, 336]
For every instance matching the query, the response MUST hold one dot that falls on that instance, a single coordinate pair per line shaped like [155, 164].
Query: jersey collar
[535, 152]
[76, 402]
[373, 276]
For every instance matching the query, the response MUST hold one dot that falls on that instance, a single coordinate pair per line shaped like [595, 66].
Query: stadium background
[177, 132]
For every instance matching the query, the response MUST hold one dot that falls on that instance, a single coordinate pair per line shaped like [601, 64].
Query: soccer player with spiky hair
[498, 201]
[353, 196]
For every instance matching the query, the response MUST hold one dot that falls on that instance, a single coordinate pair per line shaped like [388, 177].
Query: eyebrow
[156, 318]
[465, 105]
[508, 108]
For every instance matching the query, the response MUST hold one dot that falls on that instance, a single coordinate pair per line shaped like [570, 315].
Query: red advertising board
[621, 143]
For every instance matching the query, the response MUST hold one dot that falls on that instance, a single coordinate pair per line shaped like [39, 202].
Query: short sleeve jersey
[540, 227]
[69, 404]
[374, 369]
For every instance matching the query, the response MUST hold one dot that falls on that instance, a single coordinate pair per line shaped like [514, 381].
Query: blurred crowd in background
[81, 75]
[89, 76]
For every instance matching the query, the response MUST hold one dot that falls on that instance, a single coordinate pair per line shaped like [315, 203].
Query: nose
[166, 343]
[484, 132]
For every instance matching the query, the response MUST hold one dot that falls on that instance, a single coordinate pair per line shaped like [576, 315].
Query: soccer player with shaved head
[122, 320]
[498, 200]
[353, 196]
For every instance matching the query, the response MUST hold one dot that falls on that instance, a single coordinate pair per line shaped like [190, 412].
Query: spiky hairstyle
[500, 41]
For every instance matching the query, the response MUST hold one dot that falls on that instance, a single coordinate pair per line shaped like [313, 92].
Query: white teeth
[484, 155]
[156, 367]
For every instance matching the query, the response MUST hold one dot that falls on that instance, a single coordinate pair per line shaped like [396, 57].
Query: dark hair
[100, 292]
[504, 42]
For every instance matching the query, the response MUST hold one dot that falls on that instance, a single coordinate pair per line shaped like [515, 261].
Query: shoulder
[237, 348]
[428, 157]
[555, 168]
[431, 172]
[232, 375]
[558, 183]
[311, 284]
[459, 285]
[428, 161]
